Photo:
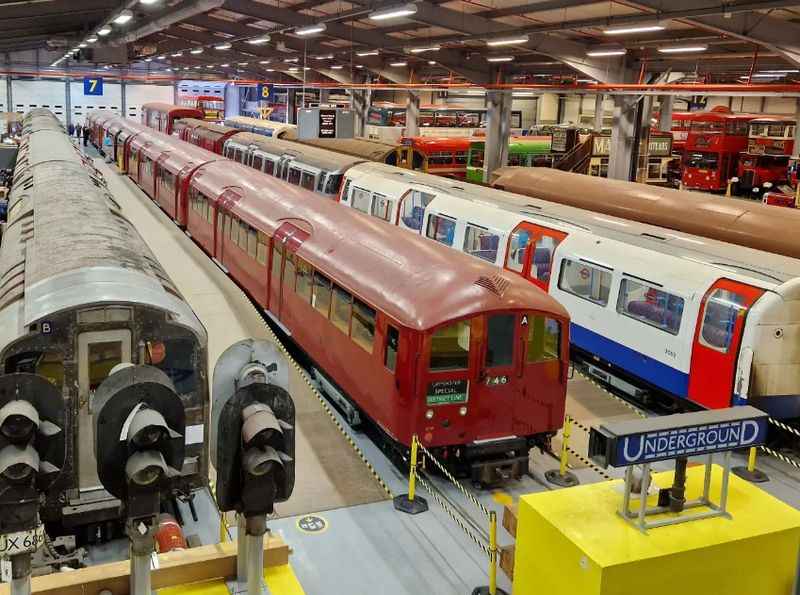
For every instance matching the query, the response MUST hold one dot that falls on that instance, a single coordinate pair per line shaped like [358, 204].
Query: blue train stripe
[653, 371]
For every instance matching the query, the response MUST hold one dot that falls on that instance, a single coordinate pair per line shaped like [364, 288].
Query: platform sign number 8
[93, 85]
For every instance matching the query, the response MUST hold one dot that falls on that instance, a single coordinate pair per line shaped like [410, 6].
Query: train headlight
[147, 428]
[146, 467]
[462, 411]
[18, 420]
[429, 414]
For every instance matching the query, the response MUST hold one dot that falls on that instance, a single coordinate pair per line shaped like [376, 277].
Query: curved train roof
[359, 146]
[428, 284]
[280, 129]
[163, 107]
[67, 245]
[326, 160]
[766, 267]
[736, 221]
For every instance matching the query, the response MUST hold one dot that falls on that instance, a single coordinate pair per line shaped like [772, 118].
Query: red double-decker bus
[711, 155]
[770, 146]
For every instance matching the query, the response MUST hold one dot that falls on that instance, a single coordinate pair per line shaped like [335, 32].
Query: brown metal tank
[736, 221]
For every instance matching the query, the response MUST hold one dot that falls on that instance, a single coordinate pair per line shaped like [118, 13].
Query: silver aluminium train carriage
[80, 292]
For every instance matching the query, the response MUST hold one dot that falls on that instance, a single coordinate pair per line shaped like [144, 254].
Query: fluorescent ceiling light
[160, 57]
[91, 39]
[679, 49]
[104, 31]
[634, 29]
[393, 12]
[123, 17]
[196, 51]
[294, 69]
[602, 53]
[306, 68]
[311, 29]
[270, 70]
[259, 40]
[433, 48]
[398, 64]
[242, 63]
[782, 71]
[223, 46]
[431, 62]
[765, 75]
[590, 81]
[148, 59]
[337, 67]
[523, 93]
[499, 58]
[147, 1]
[226, 65]
[265, 61]
[177, 54]
[507, 41]
[290, 60]
[359, 66]
[367, 53]
[325, 57]
[82, 45]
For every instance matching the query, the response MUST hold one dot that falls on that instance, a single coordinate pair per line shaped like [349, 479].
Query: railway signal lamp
[32, 454]
[139, 422]
[252, 444]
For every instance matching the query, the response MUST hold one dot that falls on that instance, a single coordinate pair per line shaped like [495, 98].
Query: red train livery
[162, 116]
[424, 340]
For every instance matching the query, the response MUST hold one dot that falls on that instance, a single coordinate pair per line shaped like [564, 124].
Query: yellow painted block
[573, 542]
[279, 579]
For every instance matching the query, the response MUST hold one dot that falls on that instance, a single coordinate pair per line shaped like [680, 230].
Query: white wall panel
[136, 95]
[110, 100]
[28, 95]
[4, 107]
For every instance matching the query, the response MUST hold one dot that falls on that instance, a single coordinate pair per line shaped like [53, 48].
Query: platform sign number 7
[93, 85]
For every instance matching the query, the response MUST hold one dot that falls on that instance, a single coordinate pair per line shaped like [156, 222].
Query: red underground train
[422, 340]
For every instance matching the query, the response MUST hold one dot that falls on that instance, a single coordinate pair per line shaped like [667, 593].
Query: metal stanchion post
[411, 503]
[241, 550]
[492, 588]
[750, 473]
[21, 574]
[561, 476]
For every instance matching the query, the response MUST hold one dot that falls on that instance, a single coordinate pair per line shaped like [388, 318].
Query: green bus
[525, 151]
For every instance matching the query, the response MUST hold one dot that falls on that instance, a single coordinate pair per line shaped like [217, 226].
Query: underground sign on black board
[327, 123]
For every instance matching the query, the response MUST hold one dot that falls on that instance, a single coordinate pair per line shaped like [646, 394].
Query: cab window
[723, 307]
[544, 339]
[361, 199]
[175, 357]
[414, 207]
[307, 181]
[334, 181]
[450, 347]
[362, 328]
[500, 340]
[381, 206]
[392, 343]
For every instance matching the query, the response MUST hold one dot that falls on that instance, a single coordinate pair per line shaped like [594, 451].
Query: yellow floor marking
[279, 579]
[503, 498]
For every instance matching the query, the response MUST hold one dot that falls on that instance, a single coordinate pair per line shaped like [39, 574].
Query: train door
[715, 350]
[531, 250]
[287, 239]
[98, 353]
[411, 213]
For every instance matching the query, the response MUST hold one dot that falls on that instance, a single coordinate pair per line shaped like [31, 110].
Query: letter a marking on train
[524, 320]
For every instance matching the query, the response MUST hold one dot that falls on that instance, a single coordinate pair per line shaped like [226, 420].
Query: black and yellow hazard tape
[780, 456]
[599, 470]
[452, 480]
[785, 427]
[455, 516]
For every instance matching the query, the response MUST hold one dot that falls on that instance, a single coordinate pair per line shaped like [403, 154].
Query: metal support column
[599, 112]
[10, 94]
[359, 101]
[665, 112]
[498, 131]
[68, 103]
[291, 106]
[324, 95]
[622, 158]
[123, 94]
[412, 114]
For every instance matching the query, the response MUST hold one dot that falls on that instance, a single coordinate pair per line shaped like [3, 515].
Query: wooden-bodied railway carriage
[81, 292]
[162, 116]
[407, 334]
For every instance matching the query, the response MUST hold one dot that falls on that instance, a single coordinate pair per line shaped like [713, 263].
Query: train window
[723, 307]
[51, 367]
[176, 358]
[167, 180]
[450, 347]
[544, 339]
[333, 183]
[258, 162]
[321, 181]
[307, 180]
[702, 160]
[392, 344]
[226, 225]
[461, 158]
[440, 158]
[516, 160]
[321, 296]
[252, 242]
[277, 251]
[586, 281]
[103, 356]
[476, 158]
[269, 166]
[304, 273]
[480, 242]
[235, 230]
[515, 259]
[650, 305]
[381, 207]
[242, 243]
[340, 309]
[346, 190]
[361, 199]
[261, 248]
[362, 329]
[229, 152]
[294, 176]
[500, 340]
[442, 229]
[288, 270]
[542, 263]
